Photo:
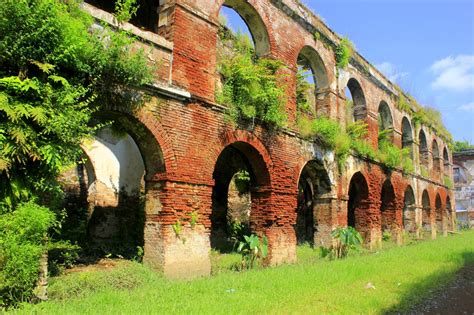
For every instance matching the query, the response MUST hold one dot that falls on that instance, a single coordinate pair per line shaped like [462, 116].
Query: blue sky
[426, 46]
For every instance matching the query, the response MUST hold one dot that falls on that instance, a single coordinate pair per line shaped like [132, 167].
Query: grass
[401, 276]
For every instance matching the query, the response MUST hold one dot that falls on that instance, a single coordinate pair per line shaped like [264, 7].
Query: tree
[56, 71]
[462, 146]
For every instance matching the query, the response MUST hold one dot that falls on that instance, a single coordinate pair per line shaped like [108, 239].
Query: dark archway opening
[146, 17]
[446, 162]
[426, 211]
[423, 153]
[409, 211]
[385, 122]
[407, 136]
[439, 214]
[358, 202]
[449, 214]
[437, 168]
[355, 101]
[387, 207]
[313, 186]
[236, 186]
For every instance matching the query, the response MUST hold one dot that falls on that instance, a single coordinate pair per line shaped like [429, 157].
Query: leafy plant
[252, 250]
[346, 240]
[386, 236]
[177, 228]
[343, 53]
[125, 10]
[23, 239]
[242, 181]
[303, 87]
[194, 218]
[460, 146]
[448, 182]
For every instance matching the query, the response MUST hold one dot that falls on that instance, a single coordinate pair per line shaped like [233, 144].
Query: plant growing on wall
[343, 53]
[252, 250]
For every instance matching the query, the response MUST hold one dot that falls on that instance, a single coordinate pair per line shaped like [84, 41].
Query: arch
[314, 185]
[423, 149]
[449, 214]
[409, 213]
[426, 210]
[359, 106]
[385, 117]
[407, 136]
[438, 213]
[238, 161]
[388, 207]
[254, 22]
[311, 79]
[436, 157]
[446, 161]
[358, 202]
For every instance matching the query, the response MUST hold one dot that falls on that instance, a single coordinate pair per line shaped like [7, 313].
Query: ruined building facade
[189, 154]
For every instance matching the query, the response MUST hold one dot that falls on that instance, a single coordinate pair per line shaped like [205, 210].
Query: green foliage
[303, 87]
[460, 146]
[23, 235]
[177, 228]
[194, 218]
[125, 10]
[344, 53]
[242, 181]
[424, 171]
[386, 236]
[252, 250]
[251, 90]
[448, 182]
[346, 240]
[55, 72]
[237, 231]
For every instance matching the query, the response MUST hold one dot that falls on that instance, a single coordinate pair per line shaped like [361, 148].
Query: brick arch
[426, 209]
[407, 135]
[358, 204]
[436, 157]
[254, 150]
[257, 22]
[359, 101]
[151, 139]
[316, 64]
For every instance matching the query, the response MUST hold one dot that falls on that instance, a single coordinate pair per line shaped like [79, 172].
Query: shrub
[346, 240]
[23, 234]
[252, 250]
[343, 53]
[250, 88]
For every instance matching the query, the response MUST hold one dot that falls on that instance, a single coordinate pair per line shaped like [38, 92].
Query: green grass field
[401, 276]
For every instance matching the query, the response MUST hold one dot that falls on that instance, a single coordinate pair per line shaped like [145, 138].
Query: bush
[23, 234]
[252, 250]
[346, 240]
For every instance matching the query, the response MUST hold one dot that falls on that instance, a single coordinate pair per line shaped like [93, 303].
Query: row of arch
[310, 62]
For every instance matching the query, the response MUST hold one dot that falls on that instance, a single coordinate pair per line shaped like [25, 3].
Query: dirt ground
[456, 297]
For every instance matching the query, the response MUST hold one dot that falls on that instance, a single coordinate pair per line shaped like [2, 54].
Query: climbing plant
[343, 53]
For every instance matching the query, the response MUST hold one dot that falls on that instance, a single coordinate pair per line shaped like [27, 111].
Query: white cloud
[390, 71]
[467, 107]
[454, 73]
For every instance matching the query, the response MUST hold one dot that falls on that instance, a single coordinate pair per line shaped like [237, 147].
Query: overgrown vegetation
[23, 239]
[251, 86]
[346, 240]
[343, 53]
[253, 250]
[312, 285]
[56, 71]
[460, 146]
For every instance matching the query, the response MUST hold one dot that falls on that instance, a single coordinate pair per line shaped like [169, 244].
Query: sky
[425, 46]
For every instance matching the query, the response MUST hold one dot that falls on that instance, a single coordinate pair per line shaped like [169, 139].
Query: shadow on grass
[429, 287]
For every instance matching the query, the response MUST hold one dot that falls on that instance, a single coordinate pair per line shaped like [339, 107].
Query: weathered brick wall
[182, 132]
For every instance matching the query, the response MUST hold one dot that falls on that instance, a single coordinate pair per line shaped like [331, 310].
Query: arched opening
[358, 203]
[423, 152]
[314, 186]
[355, 101]
[409, 213]
[385, 123]
[239, 21]
[426, 211]
[407, 136]
[239, 176]
[112, 179]
[387, 207]
[446, 161]
[311, 80]
[437, 169]
[145, 18]
[449, 214]
[439, 214]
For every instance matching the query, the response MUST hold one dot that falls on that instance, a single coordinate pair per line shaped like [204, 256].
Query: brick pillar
[181, 251]
[325, 216]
